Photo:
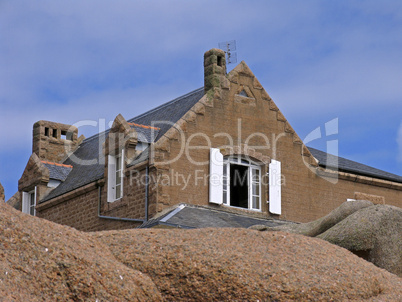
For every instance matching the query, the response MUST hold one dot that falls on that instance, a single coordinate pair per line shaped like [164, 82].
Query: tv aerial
[228, 47]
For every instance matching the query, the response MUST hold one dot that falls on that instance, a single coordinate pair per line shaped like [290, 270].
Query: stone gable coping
[121, 135]
[35, 173]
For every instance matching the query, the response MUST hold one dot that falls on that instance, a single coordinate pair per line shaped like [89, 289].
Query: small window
[32, 204]
[119, 177]
[29, 202]
[55, 133]
[219, 61]
[47, 131]
[115, 176]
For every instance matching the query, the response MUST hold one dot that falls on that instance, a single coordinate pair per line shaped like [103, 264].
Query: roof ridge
[56, 164]
[144, 126]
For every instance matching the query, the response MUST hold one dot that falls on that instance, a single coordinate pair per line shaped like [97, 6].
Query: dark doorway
[238, 186]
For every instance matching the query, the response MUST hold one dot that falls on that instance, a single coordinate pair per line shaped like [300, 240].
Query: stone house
[224, 149]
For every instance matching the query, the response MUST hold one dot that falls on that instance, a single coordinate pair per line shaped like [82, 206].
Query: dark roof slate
[88, 161]
[190, 217]
[58, 172]
[145, 135]
[169, 113]
[342, 164]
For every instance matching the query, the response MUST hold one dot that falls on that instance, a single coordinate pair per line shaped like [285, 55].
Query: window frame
[27, 206]
[252, 166]
[115, 174]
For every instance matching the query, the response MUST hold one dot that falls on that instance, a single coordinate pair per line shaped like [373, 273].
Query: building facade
[225, 146]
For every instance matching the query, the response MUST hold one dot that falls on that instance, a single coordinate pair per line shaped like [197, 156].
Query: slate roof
[346, 165]
[88, 160]
[169, 113]
[191, 217]
[57, 171]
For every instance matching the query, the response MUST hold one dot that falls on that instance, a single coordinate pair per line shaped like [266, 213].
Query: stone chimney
[54, 141]
[214, 68]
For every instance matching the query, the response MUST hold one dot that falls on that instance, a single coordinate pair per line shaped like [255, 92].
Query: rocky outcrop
[319, 226]
[15, 201]
[246, 265]
[374, 233]
[43, 261]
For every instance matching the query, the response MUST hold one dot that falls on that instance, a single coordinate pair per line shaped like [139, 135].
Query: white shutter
[122, 165]
[111, 179]
[275, 187]
[25, 202]
[215, 176]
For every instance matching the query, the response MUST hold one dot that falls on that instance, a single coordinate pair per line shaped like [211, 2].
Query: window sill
[240, 208]
[112, 205]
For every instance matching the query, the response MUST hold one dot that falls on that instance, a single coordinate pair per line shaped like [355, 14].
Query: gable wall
[305, 196]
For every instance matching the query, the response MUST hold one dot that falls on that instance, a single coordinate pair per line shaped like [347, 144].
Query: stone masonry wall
[81, 212]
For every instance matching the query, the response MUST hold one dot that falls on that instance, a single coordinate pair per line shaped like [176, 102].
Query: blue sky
[69, 61]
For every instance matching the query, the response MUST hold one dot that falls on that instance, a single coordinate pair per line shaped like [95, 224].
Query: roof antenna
[228, 47]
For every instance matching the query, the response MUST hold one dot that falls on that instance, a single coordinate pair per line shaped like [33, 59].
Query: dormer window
[115, 176]
[29, 202]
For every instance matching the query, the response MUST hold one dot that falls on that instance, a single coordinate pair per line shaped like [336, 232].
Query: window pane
[118, 163]
[32, 199]
[255, 188]
[118, 191]
[225, 197]
[256, 202]
[118, 178]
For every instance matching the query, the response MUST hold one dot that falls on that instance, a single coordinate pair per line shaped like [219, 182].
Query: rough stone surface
[15, 201]
[2, 197]
[43, 261]
[247, 265]
[319, 226]
[374, 233]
